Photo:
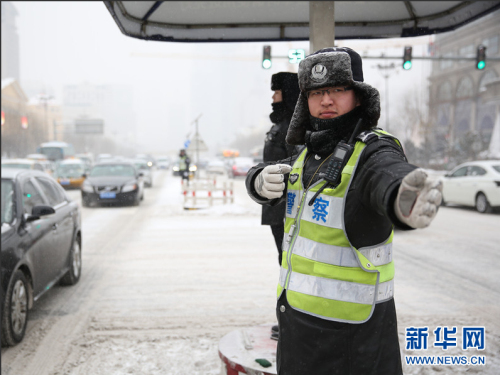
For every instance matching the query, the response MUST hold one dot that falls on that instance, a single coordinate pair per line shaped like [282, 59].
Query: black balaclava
[288, 83]
[327, 133]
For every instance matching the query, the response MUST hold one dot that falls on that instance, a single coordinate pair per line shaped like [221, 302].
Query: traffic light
[266, 57]
[481, 57]
[407, 58]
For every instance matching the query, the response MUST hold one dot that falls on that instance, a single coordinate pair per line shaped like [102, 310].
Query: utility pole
[386, 71]
[44, 99]
[197, 136]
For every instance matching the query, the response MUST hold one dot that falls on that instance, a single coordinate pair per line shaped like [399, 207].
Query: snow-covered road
[160, 286]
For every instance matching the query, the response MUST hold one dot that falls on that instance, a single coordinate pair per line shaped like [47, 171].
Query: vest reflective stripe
[338, 290]
[339, 256]
[330, 254]
[322, 273]
[378, 255]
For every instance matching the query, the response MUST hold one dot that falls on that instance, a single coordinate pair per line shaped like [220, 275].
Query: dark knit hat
[288, 83]
[333, 66]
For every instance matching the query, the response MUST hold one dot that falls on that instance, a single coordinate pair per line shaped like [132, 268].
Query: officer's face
[277, 96]
[326, 106]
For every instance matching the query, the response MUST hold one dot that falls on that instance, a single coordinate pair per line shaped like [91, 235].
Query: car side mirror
[40, 210]
[141, 174]
[84, 175]
[447, 175]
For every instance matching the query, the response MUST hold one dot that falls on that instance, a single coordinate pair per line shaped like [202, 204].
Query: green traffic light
[407, 65]
[266, 64]
[481, 64]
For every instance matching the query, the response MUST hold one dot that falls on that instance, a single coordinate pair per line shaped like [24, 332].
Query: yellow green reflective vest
[182, 163]
[323, 274]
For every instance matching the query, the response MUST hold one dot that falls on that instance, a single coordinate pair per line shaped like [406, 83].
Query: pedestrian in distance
[344, 194]
[286, 92]
[184, 162]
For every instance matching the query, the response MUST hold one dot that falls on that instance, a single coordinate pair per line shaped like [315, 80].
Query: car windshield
[113, 170]
[16, 165]
[70, 170]
[496, 168]
[7, 201]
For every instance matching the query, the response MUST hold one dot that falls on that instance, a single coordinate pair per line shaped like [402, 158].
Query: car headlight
[150, 163]
[87, 187]
[129, 187]
[176, 169]
[193, 168]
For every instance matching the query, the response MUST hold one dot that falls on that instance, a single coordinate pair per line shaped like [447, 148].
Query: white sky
[72, 42]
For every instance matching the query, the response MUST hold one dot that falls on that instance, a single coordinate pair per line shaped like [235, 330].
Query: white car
[216, 167]
[474, 184]
[162, 162]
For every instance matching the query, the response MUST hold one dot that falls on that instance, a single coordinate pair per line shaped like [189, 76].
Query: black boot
[275, 332]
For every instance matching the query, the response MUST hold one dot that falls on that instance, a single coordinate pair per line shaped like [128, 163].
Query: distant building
[10, 42]
[458, 104]
[25, 123]
[111, 103]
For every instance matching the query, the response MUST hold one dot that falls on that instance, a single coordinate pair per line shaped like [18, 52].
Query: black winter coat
[311, 345]
[275, 148]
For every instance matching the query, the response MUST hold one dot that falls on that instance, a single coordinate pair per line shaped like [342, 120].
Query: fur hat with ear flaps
[329, 67]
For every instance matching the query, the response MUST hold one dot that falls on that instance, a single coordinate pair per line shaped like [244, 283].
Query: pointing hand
[418, 199]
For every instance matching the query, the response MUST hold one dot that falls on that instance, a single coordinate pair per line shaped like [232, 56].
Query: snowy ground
[161, 286]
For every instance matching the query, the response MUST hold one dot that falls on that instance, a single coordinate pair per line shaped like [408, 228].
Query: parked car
[241, 166]
[41, 245]
[70, 173]
[474, 184]
[113, 182]
[142, 166]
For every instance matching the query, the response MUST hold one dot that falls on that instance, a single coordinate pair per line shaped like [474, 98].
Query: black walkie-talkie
[341, 155]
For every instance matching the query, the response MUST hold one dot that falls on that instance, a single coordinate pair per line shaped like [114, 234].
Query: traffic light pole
[429, 58]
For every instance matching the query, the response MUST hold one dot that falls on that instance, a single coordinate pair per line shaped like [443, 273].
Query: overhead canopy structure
[259, 21]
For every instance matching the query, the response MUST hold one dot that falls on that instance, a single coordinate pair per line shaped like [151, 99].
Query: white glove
[418, 199]
[269, 183]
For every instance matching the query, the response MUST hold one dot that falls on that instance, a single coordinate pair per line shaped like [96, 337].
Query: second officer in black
[286, 92]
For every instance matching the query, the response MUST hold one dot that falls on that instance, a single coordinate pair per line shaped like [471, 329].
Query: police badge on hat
[318, 72]
[293, 178]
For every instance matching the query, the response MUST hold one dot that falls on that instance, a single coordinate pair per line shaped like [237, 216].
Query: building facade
[10, 42]
[459, 108]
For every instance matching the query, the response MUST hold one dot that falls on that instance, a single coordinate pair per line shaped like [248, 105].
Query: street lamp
[44, 99]
[386, 71]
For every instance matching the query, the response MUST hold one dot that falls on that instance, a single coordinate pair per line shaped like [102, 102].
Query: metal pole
[385, 69]
[197, 145]
[321, 25]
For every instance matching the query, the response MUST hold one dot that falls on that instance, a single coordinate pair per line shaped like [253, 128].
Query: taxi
[70, 173]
